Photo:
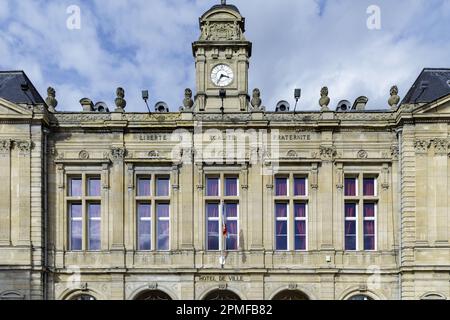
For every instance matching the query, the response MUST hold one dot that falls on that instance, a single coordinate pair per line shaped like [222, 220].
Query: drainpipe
[400, 172]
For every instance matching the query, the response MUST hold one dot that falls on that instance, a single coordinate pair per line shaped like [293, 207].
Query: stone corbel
[244, 174]
[385, 177]
[175, 177]
[118, 153]
[105, 176]
[130, 176]
[200, 173]
[340, 176]
[60, 176]
[315, 176]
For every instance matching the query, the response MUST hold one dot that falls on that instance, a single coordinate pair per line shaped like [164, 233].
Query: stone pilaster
[5, 191]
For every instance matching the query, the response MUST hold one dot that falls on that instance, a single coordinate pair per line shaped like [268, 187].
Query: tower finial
[224, 2]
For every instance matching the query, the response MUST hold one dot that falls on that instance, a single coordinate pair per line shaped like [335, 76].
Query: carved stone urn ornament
[394, 100]
[120, 101]
[188, 103]
[256, 100]
[51, 100]
[324, 100]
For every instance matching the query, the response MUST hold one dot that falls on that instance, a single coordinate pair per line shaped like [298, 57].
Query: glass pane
[162, 187]
[369, 186]
[213, 235]
[231, 210]
[281, 186]
[300, 243]
[94, 187]
[350, 228]
[212, 210]
[144, 234]
[231, 187]
[144, 210]
[350, 187]
[143, 187]
[94, 213]
[75, 210]
[300, 187]
[281, 243]
[281, 210]
[163, 210]
[75, 187]
[350, 243]
[232, 242]
[369, 242]
[212, 187]
[76, 227]
[300, 210]
[163, 235]
[350, 210]
[369, 228]
[369, 210]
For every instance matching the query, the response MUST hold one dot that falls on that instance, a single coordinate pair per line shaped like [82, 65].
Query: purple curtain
[300, 187]
[212, 210]
[300, 210]
[300, 228]
[350, 210]
[144, 187]
[212, 187]
[369, 235]
[144, 211]
[350, 187]
[76, 227]
[281, 186]
[163, 210]
[163, 235]
[369, 210]
[75, 188]
[162, 187]
[231, 187]
[369, 187]
[231, 210]
[281, 210]
[94, 189]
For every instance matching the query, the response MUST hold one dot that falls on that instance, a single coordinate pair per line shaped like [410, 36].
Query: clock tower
[222, 60]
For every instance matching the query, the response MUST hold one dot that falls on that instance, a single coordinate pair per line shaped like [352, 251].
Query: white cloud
[146, 44]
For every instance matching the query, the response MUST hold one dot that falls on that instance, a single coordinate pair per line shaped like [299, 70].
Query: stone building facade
[223, 199]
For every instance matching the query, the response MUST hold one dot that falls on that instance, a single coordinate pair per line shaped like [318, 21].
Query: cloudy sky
[146, 44]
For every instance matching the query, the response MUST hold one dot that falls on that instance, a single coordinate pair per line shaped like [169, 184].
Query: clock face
[222, 75]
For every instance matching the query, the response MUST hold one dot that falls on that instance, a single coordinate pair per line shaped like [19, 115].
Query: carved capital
[5, 146]
[440, 146]
[421, 146]
[24, 146]
[395, 151]
[118, 153]
[328, 153]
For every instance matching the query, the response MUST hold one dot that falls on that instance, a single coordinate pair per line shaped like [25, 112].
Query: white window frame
[356, 219]
[306, 225]
[375, 223]
[158, 220]
[288, 225]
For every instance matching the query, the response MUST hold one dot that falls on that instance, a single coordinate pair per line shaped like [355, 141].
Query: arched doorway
[83, 297]
[153, 295]
[360, 297]
[222, 295]
[287, 295]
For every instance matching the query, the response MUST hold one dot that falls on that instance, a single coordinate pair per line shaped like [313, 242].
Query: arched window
[290, 295]
[83, 297]
[360, 297]
[153, 295]
[222, 295]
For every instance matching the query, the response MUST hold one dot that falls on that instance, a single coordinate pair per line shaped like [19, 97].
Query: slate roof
[223, 6]
[431, 85]
[11, 88]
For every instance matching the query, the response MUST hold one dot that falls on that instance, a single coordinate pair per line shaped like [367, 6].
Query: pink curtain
[369, 187]
[350, 210]
[231, 210]
[231, 187]
[281, 186]
[369, 210]
[300, 210]
[144, 187]
[300, 227]
[300, 187]
[350, 187]
[212, 210]
[281, 210]
[212, 187]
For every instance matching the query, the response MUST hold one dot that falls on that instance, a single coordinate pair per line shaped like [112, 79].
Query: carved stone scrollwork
[5, 146]
[84, 286]
[395, 152]
[83, 155]
[340, 176]
[60, 175]
[244, 172]
[293, 286]
[223, 286]
[328, 153]
[130, 174]
[153, 286]
[385, 177]
[105, 176]
[421, 146]
[154, 154]
[315, 176]
[362, 154]
[175, 177]
[440, 146]
[118, 153]
[292, 154]
[24, 147]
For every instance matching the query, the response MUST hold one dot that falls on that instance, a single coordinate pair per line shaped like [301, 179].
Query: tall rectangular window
[76, 226]
[369, 226]
[300, 218]
[281, 226]
[212, 212]
[291, 217]
[95, 221]
[222, 212]
[163, 212]
[153, 212]
[144, 226]
[84, 212]
[360, 212]
[351, 218]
